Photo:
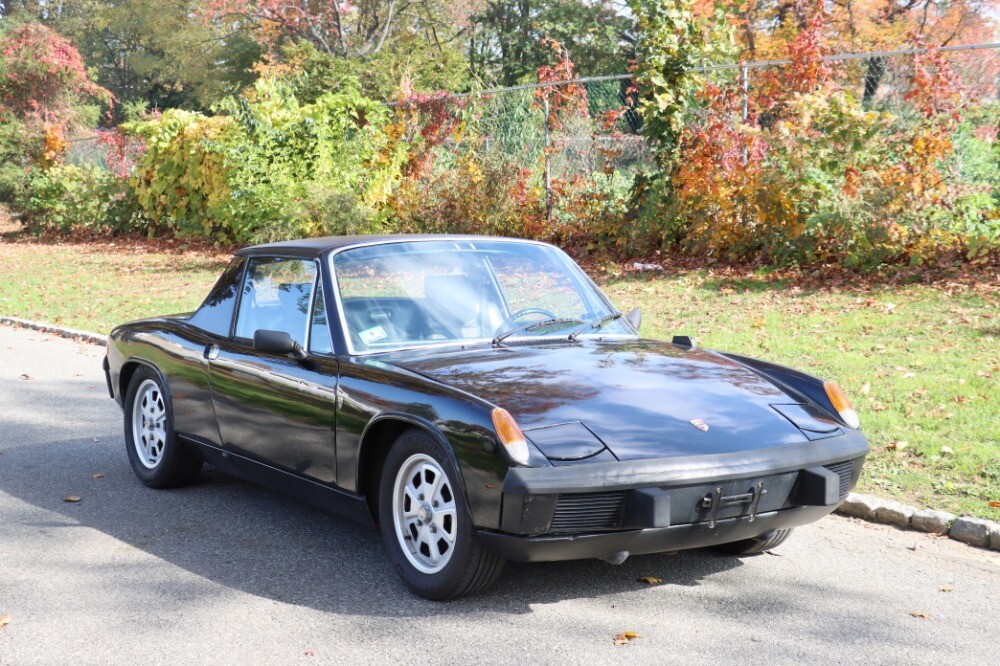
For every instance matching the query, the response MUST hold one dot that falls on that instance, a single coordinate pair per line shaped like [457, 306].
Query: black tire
[174, 464]
[471, 567]
[757, 544]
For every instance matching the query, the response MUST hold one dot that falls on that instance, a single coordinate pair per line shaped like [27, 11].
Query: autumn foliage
[44, 82]
[786, 164]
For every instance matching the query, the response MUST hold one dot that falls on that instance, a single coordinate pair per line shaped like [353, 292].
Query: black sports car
[480, 400]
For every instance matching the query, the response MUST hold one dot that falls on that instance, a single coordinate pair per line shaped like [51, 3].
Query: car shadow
[245, 537]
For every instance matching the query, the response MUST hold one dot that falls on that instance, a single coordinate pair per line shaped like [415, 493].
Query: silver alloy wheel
[424, 513]
[149, 424]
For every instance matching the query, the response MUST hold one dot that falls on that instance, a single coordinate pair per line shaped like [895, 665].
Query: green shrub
[68, 198]
[268, 167]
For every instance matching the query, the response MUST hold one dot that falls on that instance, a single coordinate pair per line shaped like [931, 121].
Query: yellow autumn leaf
[625, 637]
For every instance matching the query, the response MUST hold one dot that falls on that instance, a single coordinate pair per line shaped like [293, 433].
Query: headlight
[840, 402]
[510, 436]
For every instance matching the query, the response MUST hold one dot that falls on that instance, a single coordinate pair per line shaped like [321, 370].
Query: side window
[276, 296]
[216, 314]
[319, 334]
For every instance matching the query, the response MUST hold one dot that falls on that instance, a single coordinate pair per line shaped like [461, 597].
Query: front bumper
[646, 506]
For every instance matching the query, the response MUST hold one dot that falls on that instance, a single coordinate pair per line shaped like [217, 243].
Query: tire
[757, 544]
[156, 455]
[439, 519]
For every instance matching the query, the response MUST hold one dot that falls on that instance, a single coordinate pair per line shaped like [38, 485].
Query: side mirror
[634, 317]
[276, 342]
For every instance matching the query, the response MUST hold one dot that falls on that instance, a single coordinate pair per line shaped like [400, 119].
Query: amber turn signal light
[840, 402]
[510, 435]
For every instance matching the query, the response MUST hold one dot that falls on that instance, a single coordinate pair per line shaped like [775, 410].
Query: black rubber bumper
[599, 510]
[107, 377]
[683, 470]
[641, 542]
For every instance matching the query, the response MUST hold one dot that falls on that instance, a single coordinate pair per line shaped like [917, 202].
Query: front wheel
[757, 544]
[157, 457]
[425, 525]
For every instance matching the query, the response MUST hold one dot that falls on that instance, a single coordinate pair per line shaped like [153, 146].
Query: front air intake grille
[843, 470]
[585, 512]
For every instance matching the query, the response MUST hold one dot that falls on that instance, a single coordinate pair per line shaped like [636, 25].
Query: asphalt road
[224, 572]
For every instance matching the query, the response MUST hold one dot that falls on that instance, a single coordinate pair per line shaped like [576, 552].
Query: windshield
[410, 294]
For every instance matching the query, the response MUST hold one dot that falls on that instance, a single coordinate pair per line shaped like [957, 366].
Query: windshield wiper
[600, 323]
[530, 326]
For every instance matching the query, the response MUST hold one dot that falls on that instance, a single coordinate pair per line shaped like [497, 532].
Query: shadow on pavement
[245, 537]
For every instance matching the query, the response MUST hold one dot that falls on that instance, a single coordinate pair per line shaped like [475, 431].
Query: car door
[277, 409]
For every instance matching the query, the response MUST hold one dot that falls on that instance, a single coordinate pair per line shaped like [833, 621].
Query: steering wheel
[509, 321]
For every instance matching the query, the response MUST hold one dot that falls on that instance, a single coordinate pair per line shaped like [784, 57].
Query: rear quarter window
[215, 315]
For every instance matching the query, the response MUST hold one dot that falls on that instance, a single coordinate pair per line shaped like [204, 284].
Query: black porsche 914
[480, 400]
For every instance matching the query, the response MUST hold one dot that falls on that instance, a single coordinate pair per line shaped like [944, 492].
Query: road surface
[224, 572]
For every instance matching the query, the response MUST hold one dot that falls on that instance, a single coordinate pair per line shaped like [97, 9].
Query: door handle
[211, 352]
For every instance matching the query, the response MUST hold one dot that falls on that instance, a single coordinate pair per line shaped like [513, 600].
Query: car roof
[314, 247]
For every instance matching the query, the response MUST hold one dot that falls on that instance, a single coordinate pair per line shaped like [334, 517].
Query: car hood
[638, 396]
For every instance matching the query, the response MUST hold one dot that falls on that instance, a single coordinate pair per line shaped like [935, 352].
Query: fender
[430, 428]
[803, 385]
[164, 384]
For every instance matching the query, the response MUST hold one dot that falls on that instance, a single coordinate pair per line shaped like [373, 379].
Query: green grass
[920, 363]
[95, 286]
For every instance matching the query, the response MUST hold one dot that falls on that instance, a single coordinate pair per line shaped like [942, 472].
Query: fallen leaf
[897, 446]
[625, 637]
[994, 504]
[922, 616]
[310, 653]
[650, 580]
[946, 450]
[866, 389]
[5, 619]
[947, 588]
[97, 475]
[94, 440]
[25, 377]
[914, 547]
[71, 498]
[771, 552]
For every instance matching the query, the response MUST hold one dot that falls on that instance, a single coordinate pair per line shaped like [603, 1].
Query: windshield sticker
[373, 334]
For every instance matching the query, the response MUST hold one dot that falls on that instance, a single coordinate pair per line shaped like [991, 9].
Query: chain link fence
[603, 135]
[539, 128]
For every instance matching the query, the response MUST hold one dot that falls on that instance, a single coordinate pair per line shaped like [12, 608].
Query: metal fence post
[548, 164]
[745, 88]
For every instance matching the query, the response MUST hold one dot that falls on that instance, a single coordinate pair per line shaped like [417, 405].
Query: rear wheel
[425, 525]
[157, 457]
[757, 544]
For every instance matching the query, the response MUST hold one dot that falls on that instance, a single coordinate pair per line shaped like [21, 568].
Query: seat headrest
[454, 297]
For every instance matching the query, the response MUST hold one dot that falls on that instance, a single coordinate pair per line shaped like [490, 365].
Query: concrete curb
[973, 531]
[71, 333]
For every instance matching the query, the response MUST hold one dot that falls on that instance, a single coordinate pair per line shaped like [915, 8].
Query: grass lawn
[920, 363]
